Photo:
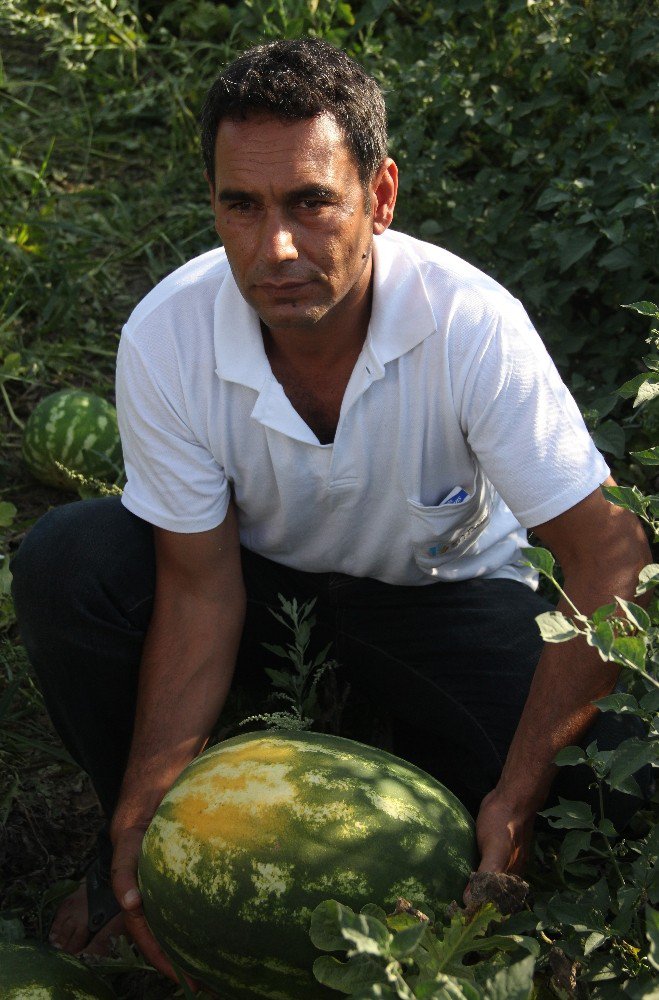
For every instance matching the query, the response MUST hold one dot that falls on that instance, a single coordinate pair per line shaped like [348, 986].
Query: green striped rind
[260, 829]
[32, 971]
[78, 430]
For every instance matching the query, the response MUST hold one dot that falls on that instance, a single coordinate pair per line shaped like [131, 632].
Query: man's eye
[240, 206]
[313, 203]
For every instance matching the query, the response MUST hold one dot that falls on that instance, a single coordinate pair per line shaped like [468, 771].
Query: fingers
[125, 887]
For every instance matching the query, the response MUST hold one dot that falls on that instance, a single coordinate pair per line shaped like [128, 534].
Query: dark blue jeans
[451, 663]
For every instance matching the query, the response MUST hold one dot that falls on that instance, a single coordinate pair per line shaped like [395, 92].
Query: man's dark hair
[297, 79]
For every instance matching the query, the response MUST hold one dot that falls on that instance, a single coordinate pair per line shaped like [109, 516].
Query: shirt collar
[401, 318]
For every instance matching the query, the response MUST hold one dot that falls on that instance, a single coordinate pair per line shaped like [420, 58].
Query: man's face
[294, 218]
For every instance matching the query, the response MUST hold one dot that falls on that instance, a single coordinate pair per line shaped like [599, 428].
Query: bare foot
[70, 932]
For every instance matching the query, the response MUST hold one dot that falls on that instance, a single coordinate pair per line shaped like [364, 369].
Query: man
[325, 408]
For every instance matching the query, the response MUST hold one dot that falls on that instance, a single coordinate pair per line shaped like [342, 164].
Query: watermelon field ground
[525, 132]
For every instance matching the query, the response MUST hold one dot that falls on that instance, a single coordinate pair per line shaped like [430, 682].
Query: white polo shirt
[453, 388]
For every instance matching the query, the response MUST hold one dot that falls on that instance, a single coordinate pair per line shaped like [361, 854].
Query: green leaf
[358, 973]
[556, 627]
[631, 387]
[652, 933]
[644, 308]
[628, 497]
[447, 988]
[513, 983]
[635, 614]
[601, 637]
[648, 457]
[405, 942]
[648, 390]
[573, 246]
[629, 650]
[610, 437]
[618, 702]
[630, 757]
[569, 815]
[540, 559]
[617, 259]
[648, 578]
[326, 928]
[575, 843]
[7, 514]
[373, 910]
[570, 757]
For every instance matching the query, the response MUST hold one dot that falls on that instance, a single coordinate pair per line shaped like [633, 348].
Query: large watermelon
[77, 429]
[260, 829]
[32, 971]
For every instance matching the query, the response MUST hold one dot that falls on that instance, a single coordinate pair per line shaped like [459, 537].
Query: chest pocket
[445, 533]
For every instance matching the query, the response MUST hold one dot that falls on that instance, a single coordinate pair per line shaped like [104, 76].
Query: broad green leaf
[406, 942]
[570, 756]
[650, 703]
[569, 815]
[540, 559]
[573, 246]
[648, 457]
[368, 942]
[373, 910]
[634, 613]
[617, 259]
[326, 931]
[556, 627]
[629, 650]
[602, 613]
[7, 514]
[652, 932]
[448, 988]
[358, 973]
[610, 437]
[601, 637]
[644, 308]
[632, 385]
[606, 827]
[512, 983]
[594, 940]
[648, 578]
[630, 757]
[575, 843]
[648, 390]
[628, 497]
[618, 702]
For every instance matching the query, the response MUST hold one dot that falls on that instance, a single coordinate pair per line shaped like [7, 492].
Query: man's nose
[278, 240]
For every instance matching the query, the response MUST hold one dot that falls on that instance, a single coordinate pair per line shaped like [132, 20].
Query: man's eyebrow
[235, 194]
[308, 191]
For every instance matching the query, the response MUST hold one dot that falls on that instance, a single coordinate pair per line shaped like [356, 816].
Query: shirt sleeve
[523, 425]
[173, 480]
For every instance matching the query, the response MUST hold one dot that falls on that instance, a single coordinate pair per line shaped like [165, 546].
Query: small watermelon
[260, 829]
[77, 429]
[33, 971]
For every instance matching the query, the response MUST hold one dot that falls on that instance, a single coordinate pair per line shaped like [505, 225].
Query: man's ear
[384, 189]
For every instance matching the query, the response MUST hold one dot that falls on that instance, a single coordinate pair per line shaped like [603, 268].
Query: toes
[69, 928]
[101, 943]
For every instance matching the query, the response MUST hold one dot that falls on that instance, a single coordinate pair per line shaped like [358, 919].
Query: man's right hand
[127, 846]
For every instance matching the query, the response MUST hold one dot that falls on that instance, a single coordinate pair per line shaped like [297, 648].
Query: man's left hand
[504, 837]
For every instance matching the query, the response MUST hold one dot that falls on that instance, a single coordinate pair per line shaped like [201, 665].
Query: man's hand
[127, 846]
[504, 837]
